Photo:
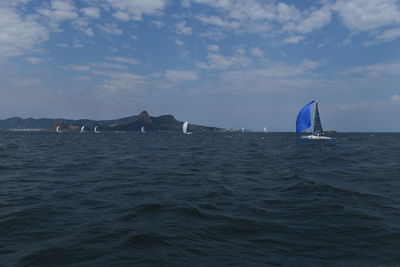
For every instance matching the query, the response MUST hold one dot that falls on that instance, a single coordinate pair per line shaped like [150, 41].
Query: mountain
[132, 123]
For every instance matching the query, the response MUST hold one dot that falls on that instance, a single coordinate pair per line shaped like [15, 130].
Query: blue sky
[228, 63]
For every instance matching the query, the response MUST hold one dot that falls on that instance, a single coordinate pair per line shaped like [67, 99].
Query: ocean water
[216, 199]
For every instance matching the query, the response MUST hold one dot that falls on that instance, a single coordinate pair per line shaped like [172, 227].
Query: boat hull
[315, 137]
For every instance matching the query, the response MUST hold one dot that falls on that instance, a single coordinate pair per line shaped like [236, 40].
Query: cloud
[80, 68]
[180, 75]
[125, 60]
[121, 16]
[221, 62]
[376, 70]
[269, 17]
[395, 98]
[92, 12]
[34, 60]
[385, 36]
[57, 11]
[360, 15]
[257, 52]
[213, 48]
[181, 28]
[294, 39]
[136, 9]
[19, 35]
[110, 28]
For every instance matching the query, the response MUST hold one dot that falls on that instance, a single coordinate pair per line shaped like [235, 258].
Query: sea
[205, 199]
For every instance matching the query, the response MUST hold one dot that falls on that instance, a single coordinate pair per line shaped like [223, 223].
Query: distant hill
[133, 123]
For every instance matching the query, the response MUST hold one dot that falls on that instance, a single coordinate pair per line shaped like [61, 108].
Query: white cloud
[388, 35]
[180, 75]
[81, 68]
[19, 35]
[92, 12]
[34, 60]
[294, 39]
[268, 17]
[376, 70]
[58, 11]
[136, 9]
[179, 42]
[121, 15]
[257, 52]
[361, 15]
[395, 98]
[181, 28]
[125, 60]
[221, 62]
[110, 29]
[108, 65]
[213, 48]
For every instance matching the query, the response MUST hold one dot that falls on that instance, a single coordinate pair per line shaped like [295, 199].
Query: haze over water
[218, 199]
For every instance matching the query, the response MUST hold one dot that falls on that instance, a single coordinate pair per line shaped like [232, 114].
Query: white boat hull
[316, 137]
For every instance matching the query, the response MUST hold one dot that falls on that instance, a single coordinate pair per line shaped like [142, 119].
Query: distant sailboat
[58, 129]
[265, 129]
[185, 127]
[242, 130]
[142, 130]
[82, 129]
[95, 129]
[303, 122]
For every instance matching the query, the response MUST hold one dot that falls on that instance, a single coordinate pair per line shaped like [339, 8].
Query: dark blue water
[218, 199]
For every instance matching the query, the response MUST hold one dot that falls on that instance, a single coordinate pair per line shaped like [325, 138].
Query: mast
[317, 121]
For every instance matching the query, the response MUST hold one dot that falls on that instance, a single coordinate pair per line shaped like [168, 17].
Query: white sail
[184, 127]
[265, 129]
[82, 129]
[58, 129]
[242, 130]
[142, 130]
[95, 129]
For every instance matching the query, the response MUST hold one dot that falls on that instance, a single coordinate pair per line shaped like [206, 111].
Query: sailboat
[142, 130]
[303, 122]
[95, 129]
[265, 129]
[185, 127]
[58, 129]
[82, 130]
[242, 130]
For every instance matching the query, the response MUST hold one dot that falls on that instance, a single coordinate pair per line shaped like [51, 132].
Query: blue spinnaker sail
[303, 121]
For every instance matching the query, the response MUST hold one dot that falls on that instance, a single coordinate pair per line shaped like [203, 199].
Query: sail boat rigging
[303, 122]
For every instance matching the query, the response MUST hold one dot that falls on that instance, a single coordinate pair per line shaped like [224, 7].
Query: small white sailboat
[265, 130]
[185, 128]
[95, 129]
[142, 130]
[82, 130]
[58, 129]
[303, 122]
[243, 130]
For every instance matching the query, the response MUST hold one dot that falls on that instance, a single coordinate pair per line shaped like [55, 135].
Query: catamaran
[95, 129]
[142, 130]
[58, 129]
[185, 127]
[303, 122]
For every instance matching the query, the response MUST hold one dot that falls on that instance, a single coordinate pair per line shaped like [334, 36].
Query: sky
[225, 63]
